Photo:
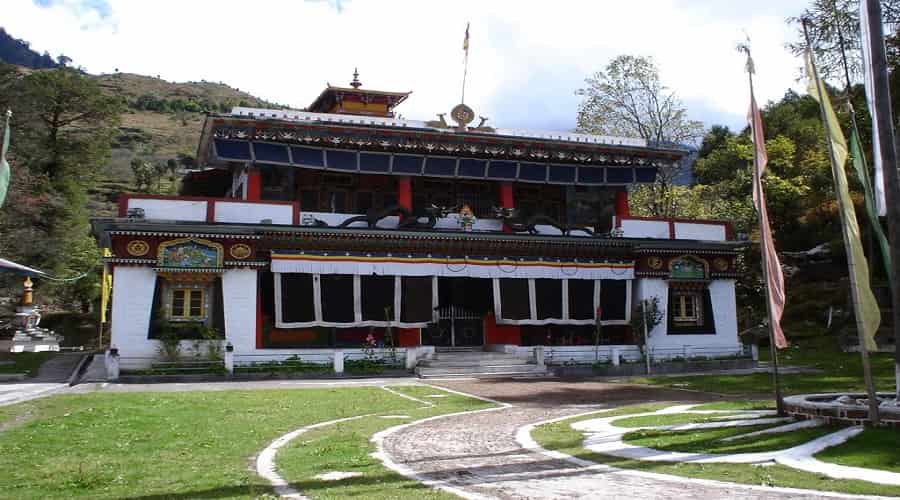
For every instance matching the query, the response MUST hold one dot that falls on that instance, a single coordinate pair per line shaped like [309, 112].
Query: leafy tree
[628, 99]
[144, 174]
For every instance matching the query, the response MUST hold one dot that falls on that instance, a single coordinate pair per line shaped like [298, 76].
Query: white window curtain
[357, 300]
[535, 319]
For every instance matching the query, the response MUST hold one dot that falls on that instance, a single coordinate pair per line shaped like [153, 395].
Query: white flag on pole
[869, 76]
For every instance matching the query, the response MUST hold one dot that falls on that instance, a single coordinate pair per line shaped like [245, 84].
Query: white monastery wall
[724, 310]
[702, 232]
[253, 213]
[239, 300]
[645, 228]
[132, 301]
[184, 210]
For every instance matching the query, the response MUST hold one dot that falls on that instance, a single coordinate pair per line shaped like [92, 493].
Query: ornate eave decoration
[474, 142]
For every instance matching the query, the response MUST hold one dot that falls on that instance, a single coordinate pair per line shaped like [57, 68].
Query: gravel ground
[478, 452]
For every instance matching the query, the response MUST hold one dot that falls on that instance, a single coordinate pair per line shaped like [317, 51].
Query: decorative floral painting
[688, 268]
[189, 253]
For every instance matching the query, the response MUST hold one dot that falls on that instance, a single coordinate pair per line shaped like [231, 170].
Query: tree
[144, 174]
[63, 129]
[628, 99]
[833, 22]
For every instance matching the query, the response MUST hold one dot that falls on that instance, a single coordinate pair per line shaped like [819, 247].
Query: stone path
[53, 376]
[478, 455]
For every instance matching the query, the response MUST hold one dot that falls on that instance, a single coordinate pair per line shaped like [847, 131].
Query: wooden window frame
[185, 313]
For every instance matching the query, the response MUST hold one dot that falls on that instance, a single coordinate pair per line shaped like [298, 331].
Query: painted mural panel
[190, 253]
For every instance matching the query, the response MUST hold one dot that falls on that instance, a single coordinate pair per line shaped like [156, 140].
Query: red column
[622, 203]
[505, 199]
[254, 185]
[404, 193]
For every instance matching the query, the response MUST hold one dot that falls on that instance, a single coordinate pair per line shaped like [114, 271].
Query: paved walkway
[53, 376]
[478, 453]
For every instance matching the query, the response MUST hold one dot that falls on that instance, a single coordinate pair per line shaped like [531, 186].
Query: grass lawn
[346, 447]
[874, 449]
[669, 419]
[839, 372]
[180, 444]
[710, 440]
[561, 437]
[24, 362]
[737, 405]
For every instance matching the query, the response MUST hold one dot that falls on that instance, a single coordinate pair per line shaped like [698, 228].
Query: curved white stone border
[523, 437]
[379, 437]
[603, 436]
[265, 462]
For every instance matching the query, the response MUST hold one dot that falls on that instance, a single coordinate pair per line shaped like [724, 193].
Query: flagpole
[886, 138]
[465, 65]
[851, 264]
[776, 377]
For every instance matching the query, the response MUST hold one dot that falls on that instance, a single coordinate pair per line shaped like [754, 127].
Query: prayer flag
[4, 165]
[105, 287]
[774, 275]
[869, 78]
[864, 304]
[862, 172]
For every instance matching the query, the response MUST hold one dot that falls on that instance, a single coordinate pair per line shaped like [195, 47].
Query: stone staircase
[468, 362]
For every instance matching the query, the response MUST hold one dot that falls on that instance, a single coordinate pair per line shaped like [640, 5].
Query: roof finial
[355, 83]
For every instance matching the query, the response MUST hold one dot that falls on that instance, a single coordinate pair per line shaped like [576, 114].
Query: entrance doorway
[462, 305]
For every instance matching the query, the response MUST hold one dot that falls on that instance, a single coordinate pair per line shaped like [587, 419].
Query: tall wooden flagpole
[773, 349]
[886, 138]
[851, 263]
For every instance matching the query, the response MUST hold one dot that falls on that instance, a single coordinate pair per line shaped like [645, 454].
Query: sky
[526, 58]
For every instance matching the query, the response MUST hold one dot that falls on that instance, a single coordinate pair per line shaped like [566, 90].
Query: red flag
[774, 276]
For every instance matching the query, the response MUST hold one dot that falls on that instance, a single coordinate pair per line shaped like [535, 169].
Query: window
[187, 303]
[688, 309]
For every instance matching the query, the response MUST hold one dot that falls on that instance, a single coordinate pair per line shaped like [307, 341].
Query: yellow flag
[865, 306]
[105, 287]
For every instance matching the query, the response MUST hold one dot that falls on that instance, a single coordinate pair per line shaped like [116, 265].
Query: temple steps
[479, 365]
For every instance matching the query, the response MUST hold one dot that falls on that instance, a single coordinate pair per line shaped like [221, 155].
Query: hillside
[163, 121]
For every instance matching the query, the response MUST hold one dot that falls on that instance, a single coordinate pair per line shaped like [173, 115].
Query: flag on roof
[466, 40]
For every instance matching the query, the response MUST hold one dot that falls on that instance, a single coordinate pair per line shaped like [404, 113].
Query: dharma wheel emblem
[239, 251]
[462, 114]
[655, 263]
[138, 248]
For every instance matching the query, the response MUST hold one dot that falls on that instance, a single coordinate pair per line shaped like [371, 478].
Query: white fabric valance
[450, 267]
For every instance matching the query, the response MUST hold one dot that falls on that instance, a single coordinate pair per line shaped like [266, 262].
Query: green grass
[737, 405]
[346, 447]
[874, 449]
[24, 362]
[710, 440]
[839, 372]
[668, 419]
[561, 437]
[162, 445]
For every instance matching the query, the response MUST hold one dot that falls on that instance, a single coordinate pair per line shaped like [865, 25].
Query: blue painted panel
[532, 172]
[439, 165]
[341, 160]
[469, 167]
[275, 153]
[561, 174]
[619, 175]
[232, 150]
[311, 157]
[590, 175]
[407, 164]
[502, 170]
[645, 174]
[369, 162]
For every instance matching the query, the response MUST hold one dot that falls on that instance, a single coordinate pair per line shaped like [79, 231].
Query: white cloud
[526, 58]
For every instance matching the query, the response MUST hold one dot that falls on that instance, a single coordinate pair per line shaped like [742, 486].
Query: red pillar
[404, 193]
[254, 185]
[622, 204]
[505, 199]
